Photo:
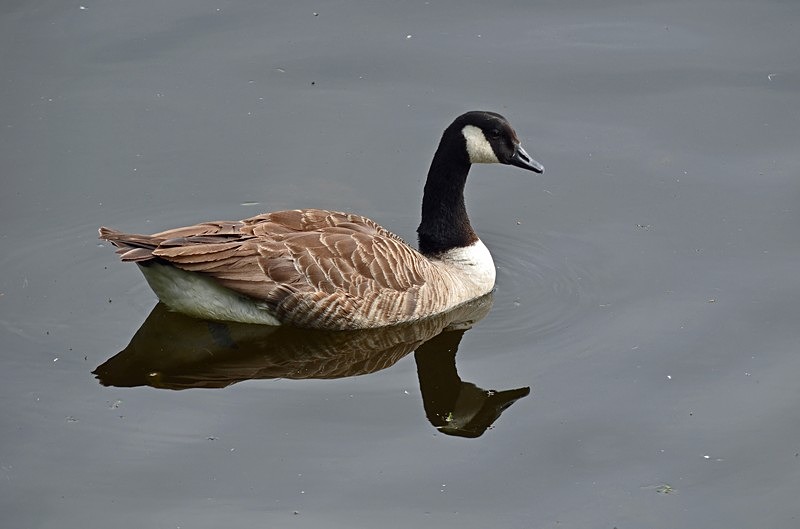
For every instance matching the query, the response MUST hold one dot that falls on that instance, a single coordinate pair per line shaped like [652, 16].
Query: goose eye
[494, 134]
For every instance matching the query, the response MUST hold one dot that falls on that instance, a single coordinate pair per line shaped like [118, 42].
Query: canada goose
[331, 270]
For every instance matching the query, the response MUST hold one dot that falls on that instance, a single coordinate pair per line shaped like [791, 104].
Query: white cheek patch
[478, 147]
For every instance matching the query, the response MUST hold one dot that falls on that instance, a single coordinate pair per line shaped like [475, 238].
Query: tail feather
[132, 246]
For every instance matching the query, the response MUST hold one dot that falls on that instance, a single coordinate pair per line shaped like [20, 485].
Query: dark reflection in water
[173, 351]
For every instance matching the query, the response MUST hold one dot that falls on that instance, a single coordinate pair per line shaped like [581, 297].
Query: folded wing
[303, 264]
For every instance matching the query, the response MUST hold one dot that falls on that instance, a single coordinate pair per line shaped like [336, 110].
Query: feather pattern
[311, 268]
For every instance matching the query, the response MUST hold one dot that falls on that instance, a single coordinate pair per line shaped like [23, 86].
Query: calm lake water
[636, 367]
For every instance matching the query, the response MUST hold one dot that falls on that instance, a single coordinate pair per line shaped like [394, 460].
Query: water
[647, 282]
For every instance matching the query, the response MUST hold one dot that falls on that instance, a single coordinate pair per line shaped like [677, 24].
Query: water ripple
[543, 286]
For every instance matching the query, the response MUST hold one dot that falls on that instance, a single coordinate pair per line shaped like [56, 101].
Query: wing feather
[308, 263]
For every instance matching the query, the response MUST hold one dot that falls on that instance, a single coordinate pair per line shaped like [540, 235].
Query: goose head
[489, 138]
[473, 138]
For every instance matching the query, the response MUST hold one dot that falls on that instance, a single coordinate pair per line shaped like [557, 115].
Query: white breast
[473, 267]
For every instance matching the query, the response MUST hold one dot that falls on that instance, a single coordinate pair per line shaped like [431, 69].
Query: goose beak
[522, 159]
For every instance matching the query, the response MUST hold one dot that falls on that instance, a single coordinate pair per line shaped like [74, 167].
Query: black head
[489, 138]
[474, 137]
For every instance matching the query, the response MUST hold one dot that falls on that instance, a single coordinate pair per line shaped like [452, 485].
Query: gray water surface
[647, 288]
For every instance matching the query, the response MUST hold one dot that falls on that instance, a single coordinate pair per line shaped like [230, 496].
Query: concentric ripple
[543, 286]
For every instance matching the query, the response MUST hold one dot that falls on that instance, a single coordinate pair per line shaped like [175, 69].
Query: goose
[325, 269]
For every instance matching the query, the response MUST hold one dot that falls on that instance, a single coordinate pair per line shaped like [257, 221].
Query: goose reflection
[173, 351]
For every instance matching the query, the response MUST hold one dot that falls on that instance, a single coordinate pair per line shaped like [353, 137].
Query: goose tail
[132, 247]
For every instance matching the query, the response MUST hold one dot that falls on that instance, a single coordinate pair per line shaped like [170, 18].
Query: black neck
[445, 224]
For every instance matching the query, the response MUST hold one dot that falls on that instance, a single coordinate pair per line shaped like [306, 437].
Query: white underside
[201, 297]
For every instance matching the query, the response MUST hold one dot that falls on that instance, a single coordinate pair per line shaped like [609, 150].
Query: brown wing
[310, 255]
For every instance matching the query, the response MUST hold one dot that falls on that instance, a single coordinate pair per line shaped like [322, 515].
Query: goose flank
[331, 270]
